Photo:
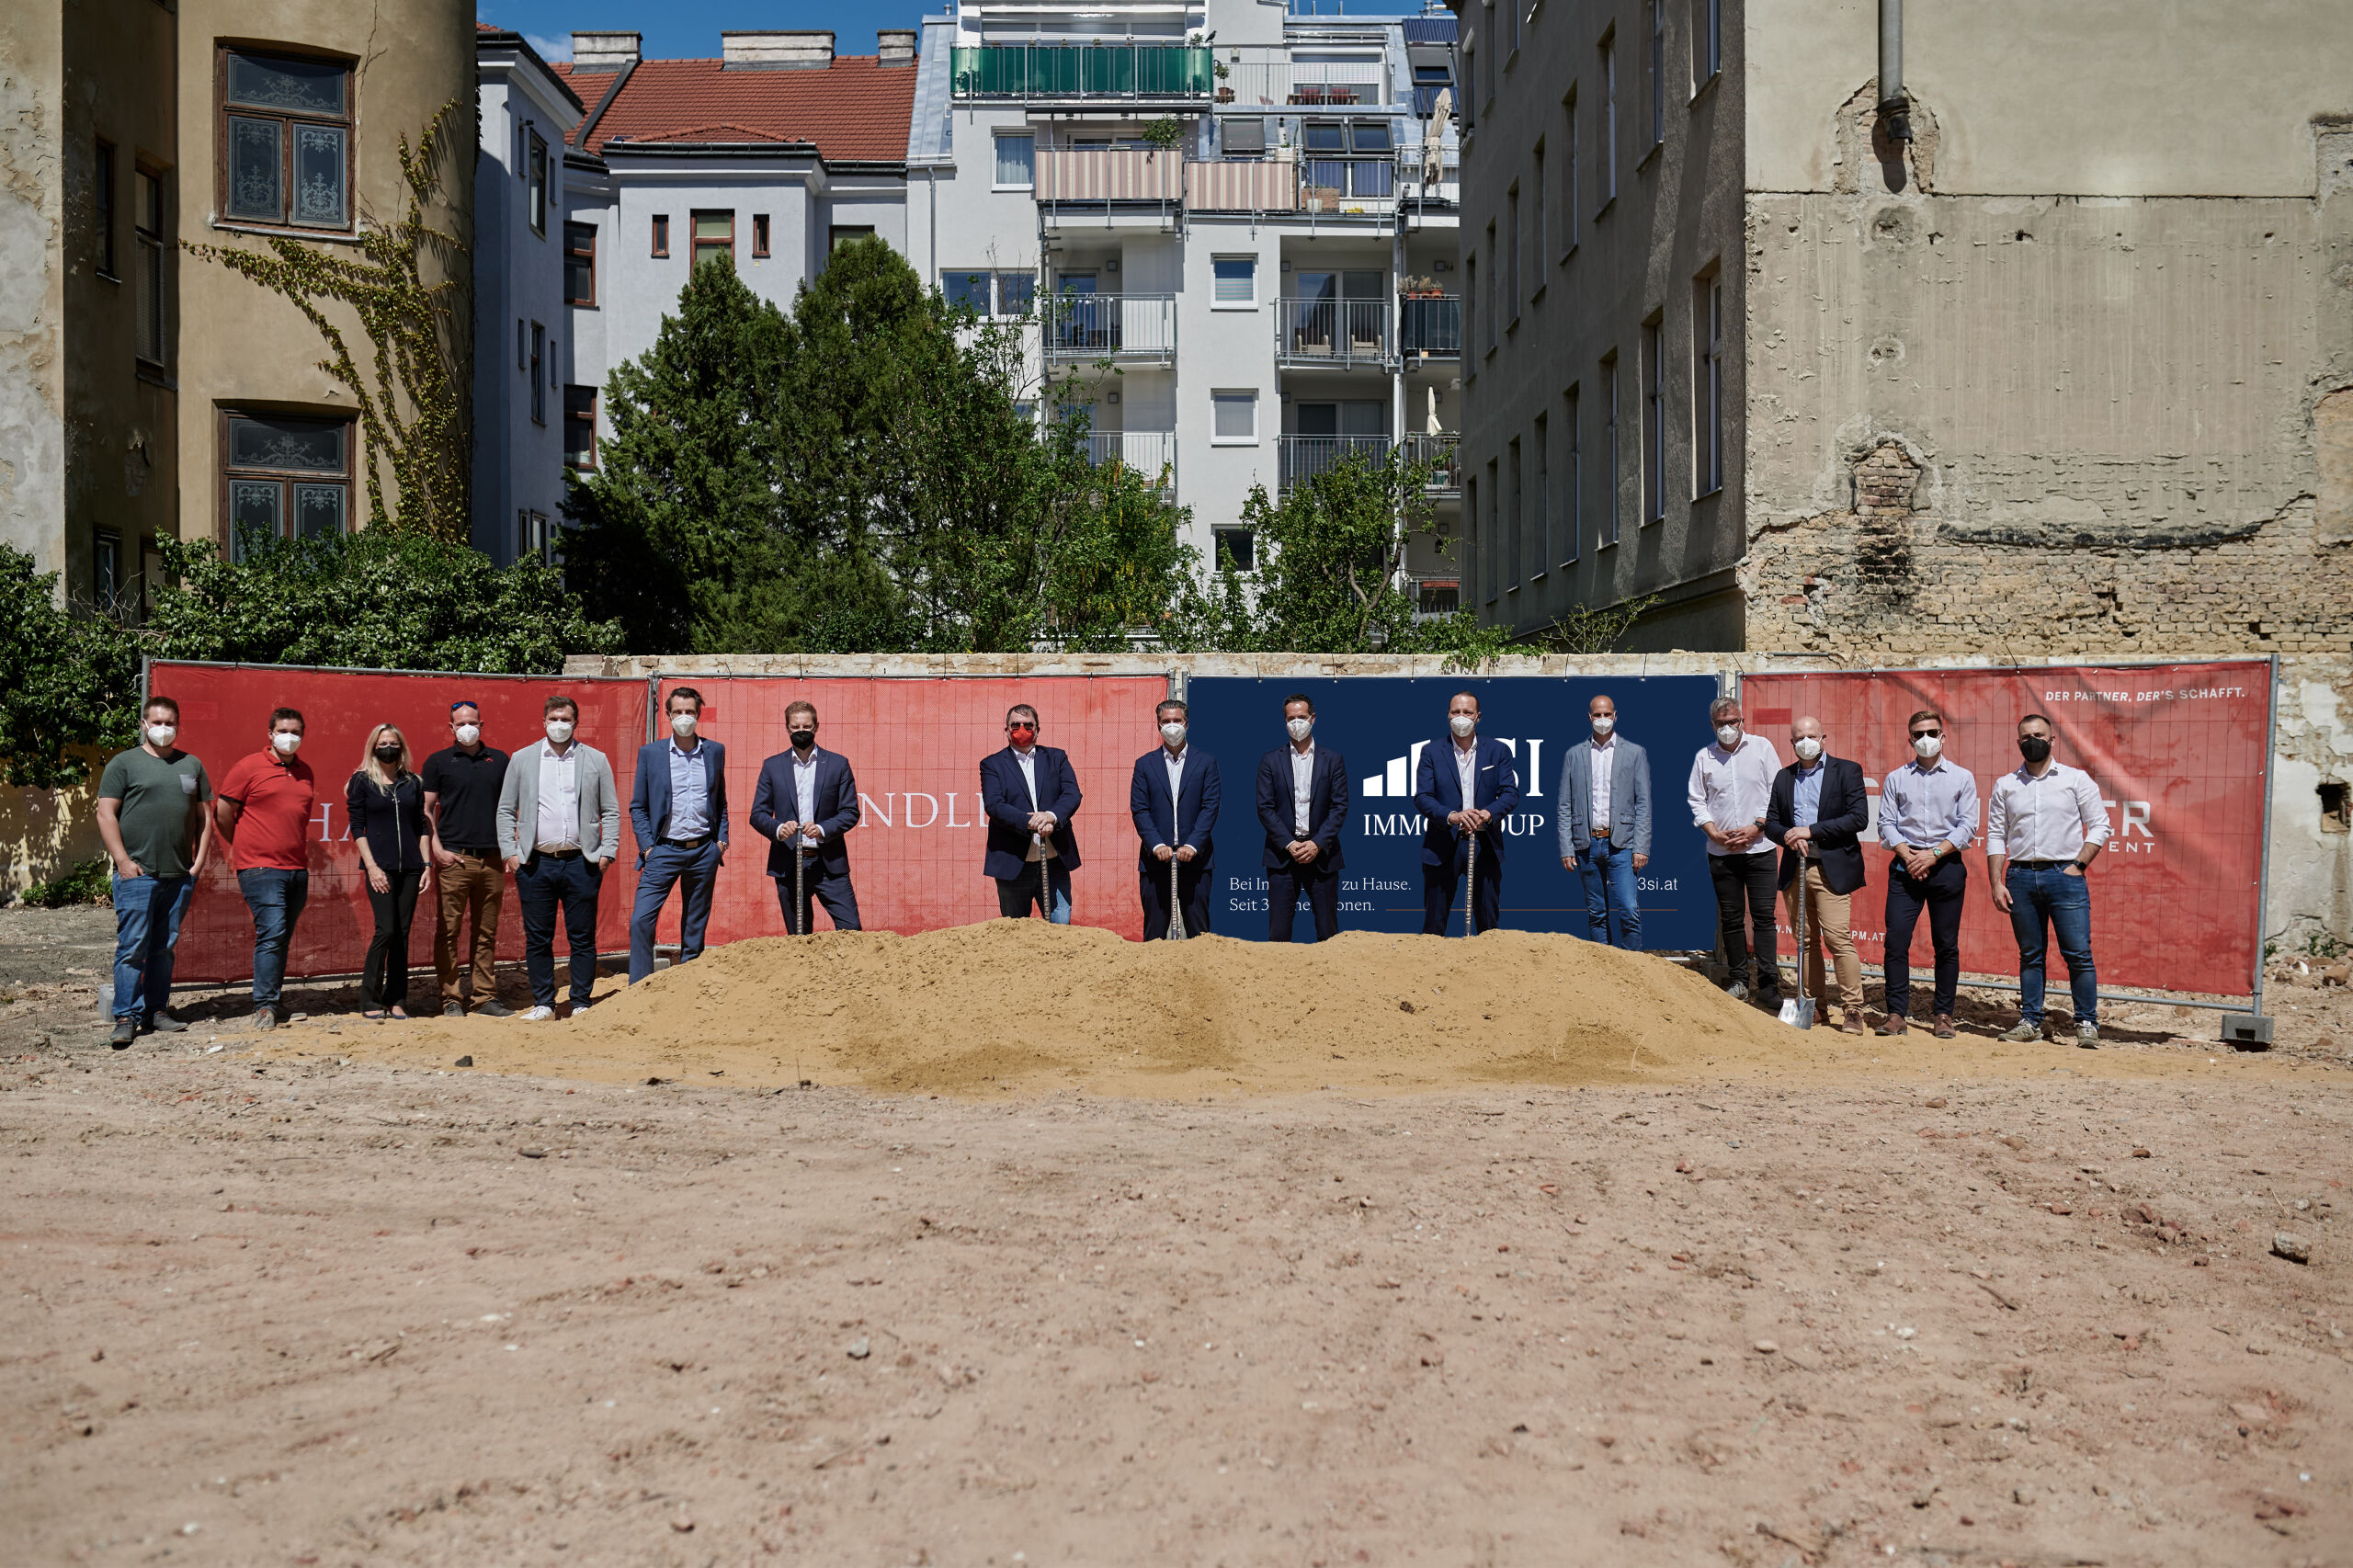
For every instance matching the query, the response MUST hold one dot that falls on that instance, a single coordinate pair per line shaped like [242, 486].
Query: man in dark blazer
[1817, 816]
[1174, 799]
[1453, 816]
[678, 810]
[1604, 824]
[806, 805]
[1029, 793]
[1303, 804]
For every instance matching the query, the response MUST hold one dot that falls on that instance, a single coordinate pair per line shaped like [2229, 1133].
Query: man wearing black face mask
[806, 806]
[2043, 826]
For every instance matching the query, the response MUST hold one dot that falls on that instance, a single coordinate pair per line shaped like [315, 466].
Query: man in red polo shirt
[264, 810]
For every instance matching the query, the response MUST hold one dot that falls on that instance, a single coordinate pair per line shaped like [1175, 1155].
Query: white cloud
[550, 48]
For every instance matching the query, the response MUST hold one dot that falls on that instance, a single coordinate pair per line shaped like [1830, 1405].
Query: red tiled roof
[854, 109]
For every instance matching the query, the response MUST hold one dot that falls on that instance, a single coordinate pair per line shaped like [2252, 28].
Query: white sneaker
[539, 1014]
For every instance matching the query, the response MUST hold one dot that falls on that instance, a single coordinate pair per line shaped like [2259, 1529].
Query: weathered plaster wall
[2311, 852]
[32, 285]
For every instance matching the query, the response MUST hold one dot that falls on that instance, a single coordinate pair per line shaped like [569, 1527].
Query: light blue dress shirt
[1805, 802]
[1924, 806]
[689, 793]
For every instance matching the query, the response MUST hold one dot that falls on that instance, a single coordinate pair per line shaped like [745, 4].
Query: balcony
[1080, 73]
[1130, 328]
[1151, 453]
[1267, 78]
[1106, 175]
[1430, 326]
[1241, 185]
[1305, 456]
[1443, 452]
[1331, 333]
[1435, 598]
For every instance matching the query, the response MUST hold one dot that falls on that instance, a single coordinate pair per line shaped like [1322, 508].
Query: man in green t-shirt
[153, 816]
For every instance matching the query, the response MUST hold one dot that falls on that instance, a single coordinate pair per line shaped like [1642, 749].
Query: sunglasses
[1917, 733]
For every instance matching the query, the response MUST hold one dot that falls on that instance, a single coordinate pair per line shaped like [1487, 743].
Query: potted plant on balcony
[1164, 134]
[1416, 287]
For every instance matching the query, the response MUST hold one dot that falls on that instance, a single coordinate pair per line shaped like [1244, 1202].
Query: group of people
[549, 816]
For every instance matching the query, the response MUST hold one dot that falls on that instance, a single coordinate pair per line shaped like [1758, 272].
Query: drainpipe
[1893, 105]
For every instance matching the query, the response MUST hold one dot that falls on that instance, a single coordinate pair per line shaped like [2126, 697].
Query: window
[580, 427]
[760, 234]
[1513, 539]
[966, 289]
[1237, 550]
[283, 476]
[661, 234]
[1244, 140]
[1471, 52]
[286, 140]
[1707, 41]
[1016, 292]
[1569, 202]
[150, 255]
[539, 387]
[1542, 509]
[1512, 295]
[1708, 382]
[1653, 372]
[579, 264]
[106, 569]
[1491, 54]
[1492, 571]
[1016, 162]
[522, 344]
[1237, 281]
[1573, 477]
[535, 182]
[1473, 541]
[1609, 456]
[1235, 417]
[715, 236]
[1471, 310]
[102, 212]
[1607, 147]
[1538, 235]
[847, 234]
[533, 536]
[1488, 305]
[1656, 68]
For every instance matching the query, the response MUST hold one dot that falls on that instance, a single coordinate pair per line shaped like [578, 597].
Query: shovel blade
[1798, 1014]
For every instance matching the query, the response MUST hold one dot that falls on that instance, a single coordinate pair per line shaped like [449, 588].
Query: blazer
[600, 804]
[833, 799]
[1006, 799]
[1437, 790]
[1327, 809]
[1630, 798]
[649, 799]
[1838, 830]
[1194, 808]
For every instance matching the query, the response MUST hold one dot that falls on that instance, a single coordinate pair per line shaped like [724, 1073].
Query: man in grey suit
[558, 827]
[1604, 815]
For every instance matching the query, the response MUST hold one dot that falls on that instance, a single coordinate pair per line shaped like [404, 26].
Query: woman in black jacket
[387, 805]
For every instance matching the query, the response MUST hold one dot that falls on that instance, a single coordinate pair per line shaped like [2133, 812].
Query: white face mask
[1727, 735]
[1604, 724]
[1463, 724]
[1928, 746]
[1173, 732]
[682, 725]
[469, 733]
[162, 735]
[287, 741]
[1807, 749]
[558, 730]
[1300, 729]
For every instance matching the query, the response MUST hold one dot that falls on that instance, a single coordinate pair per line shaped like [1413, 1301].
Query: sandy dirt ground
[322, 1297]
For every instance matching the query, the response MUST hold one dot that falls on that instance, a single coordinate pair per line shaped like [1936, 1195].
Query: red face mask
[1024, 734]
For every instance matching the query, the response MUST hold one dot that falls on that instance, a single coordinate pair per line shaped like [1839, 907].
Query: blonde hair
[374, 769]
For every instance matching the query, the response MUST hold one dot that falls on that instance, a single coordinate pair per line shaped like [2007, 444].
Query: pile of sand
[1014, 1003]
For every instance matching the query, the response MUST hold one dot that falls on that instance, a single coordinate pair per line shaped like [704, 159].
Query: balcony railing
[1151, 453]
[1305, 456]
[1074, 71]
[1312, 332]
[1337, 184]
[1435, 596]
[1110, 173]
[1239, 185]
[1430, 325]
[1267, 78]
[1443, 452]
[1133, 327]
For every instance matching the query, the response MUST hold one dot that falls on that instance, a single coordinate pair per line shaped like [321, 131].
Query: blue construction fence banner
[1382, 724]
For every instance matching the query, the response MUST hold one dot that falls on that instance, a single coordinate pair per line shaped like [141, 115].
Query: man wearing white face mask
[264, 812]
[1928, 814]
[558, 827]
[1818, 815]
[1604, 824]
[678, 810]
[1729, 792]
[1174, 798]
[1466, 789]
[1303, 805]
[155, 818]
[462, 784]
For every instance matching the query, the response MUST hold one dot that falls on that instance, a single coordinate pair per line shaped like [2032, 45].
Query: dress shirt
[2046, 818]
[1466, 766]
[1303, 786]
[804, 794]
[559, 823]
[1174, 762]
[1596, 810]
[690, 792]
[1924, 806]
[1805, 797]
[1734, 789]
[1040, 847]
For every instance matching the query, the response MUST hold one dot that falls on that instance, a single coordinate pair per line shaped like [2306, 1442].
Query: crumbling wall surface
[32, 286]
[2310, 910]
[2038, 426]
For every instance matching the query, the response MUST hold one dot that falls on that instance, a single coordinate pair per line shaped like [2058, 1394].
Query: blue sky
[690, 28]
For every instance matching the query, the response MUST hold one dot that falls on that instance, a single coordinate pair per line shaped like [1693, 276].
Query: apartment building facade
[1977, 352]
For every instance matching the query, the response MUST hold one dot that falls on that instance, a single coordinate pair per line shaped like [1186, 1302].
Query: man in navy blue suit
[1465, 786]
[1303, 804]
[1029, 793]
[806, 805]
[1174, 798]
[678, 809]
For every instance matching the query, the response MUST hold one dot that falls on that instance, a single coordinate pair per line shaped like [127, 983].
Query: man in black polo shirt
[461, 786]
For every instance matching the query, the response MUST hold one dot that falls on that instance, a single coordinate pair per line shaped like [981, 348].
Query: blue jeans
[277, 899]
[1607, 871]
[2043, 902]
[545, 884]
[663, 867]
[1016, 899]
[147, 916]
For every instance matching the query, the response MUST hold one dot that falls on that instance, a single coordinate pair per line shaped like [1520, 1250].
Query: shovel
[1177, 932]
[800, 898]
[1470, 888]
[1799, 1013]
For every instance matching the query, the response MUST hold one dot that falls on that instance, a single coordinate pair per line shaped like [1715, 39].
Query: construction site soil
[1019, 1246]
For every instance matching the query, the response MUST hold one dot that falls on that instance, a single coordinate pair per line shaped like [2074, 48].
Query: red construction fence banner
[2181, 754]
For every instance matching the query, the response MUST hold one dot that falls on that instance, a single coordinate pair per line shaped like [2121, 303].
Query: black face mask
[2034, 748]
[803, 739]
[388, 755]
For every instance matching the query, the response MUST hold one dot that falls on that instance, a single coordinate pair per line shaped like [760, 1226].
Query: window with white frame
[1016, 292]
[1016, 161]
[1707, 41]
[1236, 279]
[534, 181]
[966, 287]
[1234, 417]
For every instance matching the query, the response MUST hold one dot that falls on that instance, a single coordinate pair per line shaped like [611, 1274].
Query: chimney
[603, 52]
[776, 51]
[896, 45]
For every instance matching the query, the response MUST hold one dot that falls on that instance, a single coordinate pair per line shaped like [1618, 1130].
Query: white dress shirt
[1302, 788]
[1733, 789]
[1466, 768]
[559, 823]
[2046, 818]
[1040, 847]
[805, 794]
[1175, 763]
[1605, 755]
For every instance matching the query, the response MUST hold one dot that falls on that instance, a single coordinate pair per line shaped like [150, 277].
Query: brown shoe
[1894, 1025]
[1854, 1024]
[1944, 1030]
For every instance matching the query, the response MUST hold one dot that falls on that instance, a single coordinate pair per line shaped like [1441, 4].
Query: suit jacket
[1006, 798]
[649, 798]
[1838, 831]
[1630, 798]
[1327, 809]
[1194, 808]
[833, 805]
[600, 804]
[1437, 790]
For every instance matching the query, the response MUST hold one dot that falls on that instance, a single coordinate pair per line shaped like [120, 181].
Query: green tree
[67, 680]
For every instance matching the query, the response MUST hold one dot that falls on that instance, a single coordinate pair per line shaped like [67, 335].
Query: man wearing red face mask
[1031, 794]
